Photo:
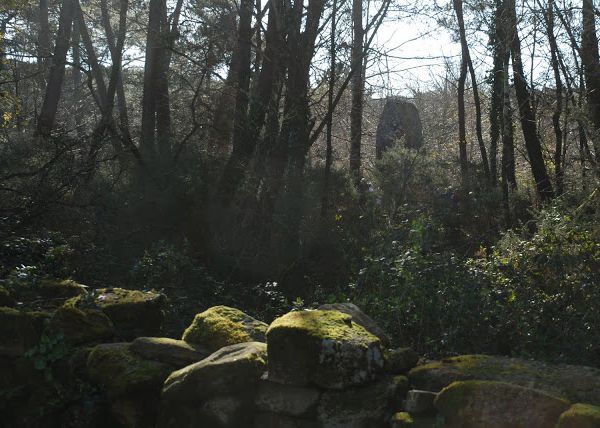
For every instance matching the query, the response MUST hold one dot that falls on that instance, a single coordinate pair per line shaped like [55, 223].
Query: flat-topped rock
[215, 392]
[171, 351]
[325, 348]
[134, 313]
[575, 383]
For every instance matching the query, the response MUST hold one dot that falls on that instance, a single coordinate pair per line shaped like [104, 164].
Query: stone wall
[92, 361]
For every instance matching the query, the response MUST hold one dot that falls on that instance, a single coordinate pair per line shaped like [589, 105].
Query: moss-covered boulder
[215, 392]
[81, 326]
[134, 313]
[575, 383]
[132, 383]
[474, 404]
[400, 360]
[20, 330]
[170, 351]
[325, 348]
[45, 293]
[360, 318]
[221, 326]
[366, 406]
[120, 372]
[580, 416]
[291, 400]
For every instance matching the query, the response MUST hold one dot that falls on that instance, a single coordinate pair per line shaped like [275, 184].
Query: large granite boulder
[134, 313]
[177, 353]
[325, 348]
[580, 416]
[215, 392]
[575, 383]
[360, 318]
[367, 406]
[474, 404]
[221, 326]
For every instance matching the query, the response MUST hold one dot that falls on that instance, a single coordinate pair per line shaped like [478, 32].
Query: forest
[275, 156]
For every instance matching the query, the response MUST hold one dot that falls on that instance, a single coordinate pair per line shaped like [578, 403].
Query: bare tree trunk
[263, 100]
[92, 60]
[356, 111]
[466, 58]
[462, 131]
[57, 70]
[153, 42]
[591, 66]
[556, 116]
[330, 108]
[76, 74]
[528, 119]
[44, 42]
[242, 145]
[498, 39]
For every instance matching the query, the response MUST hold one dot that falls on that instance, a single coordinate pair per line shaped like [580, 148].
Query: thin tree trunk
[44, 42]
[496, 104]
[330, 108]
[242, 146]
[261, 101]
[466, 57]
[76, 74]
[49, 108]
[591, 66]
[356, 111]
[528, 119]
[462, 132]
[556, 116]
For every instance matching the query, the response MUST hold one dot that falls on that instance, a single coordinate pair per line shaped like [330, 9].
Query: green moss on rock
[580, 416]
[322, 347]
[498, 405]
[19, 330]
[134, 313]
[221, 326]
[120, 372]
[575, 383]
[81, 326]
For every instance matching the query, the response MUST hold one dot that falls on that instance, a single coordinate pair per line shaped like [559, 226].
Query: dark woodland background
[224, 153]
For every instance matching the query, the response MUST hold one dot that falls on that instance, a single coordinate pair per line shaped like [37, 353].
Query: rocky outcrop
[221, 326]
[324, 348]
[474, 404]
